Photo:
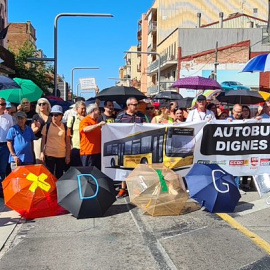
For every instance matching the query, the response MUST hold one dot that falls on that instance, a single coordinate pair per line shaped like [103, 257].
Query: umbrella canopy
[101, 104]
[168, 95]
[197, 82]
[213, 188]
[120, 94]
[240, 97]
[265, 95]
[260, 63]
[7, 84]
[185, 102]
[28, 89]
[31, 191]
[156, 190]
[85, 192]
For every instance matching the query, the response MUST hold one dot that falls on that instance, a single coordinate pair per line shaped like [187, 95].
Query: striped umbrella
[260, 63]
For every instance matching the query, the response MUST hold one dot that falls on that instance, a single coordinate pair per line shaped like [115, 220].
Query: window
[146, 145]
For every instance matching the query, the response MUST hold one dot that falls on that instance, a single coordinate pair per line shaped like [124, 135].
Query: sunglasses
[40, 104]
[3, 104]
[149, 108]
[56, 114]
[136, 104]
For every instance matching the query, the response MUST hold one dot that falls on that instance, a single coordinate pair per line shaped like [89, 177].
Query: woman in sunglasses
[149, 112]
[164, 115]
[39, 120]
[55, 143]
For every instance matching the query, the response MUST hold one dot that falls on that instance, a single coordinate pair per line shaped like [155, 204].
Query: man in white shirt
[6, 122]
[200, 113]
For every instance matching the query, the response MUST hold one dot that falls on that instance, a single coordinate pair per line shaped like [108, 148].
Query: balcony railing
[152, 90]
[164, 59]
[152, 27]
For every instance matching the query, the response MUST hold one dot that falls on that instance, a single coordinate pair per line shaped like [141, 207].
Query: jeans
[4, 154]
[92, 160]
[75, 159]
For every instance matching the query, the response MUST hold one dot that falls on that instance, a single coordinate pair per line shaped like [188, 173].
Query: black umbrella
[240, 97]
[185, 102]
[85, 192]
[171, 95]
[120, 94]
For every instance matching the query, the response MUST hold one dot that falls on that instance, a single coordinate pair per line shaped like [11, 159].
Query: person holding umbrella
[200, 113]
[236, 113]
[164, 116]
[90, 133]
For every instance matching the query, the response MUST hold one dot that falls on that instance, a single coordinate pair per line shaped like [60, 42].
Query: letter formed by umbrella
[85, 192]
[31, 191]
[213, 188]
[157, 190]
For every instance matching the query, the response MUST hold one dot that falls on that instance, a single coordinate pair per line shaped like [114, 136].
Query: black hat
[201, 98]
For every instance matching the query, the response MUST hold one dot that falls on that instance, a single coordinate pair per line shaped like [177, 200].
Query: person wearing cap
[55, 143]
[20, 139]
[163, 117]
[6, 122]
[10, 109]
[200, 113]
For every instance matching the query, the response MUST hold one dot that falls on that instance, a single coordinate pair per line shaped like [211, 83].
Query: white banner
[87, 83]
[240, 148]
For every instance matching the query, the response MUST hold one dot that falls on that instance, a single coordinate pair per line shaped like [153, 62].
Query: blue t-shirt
[22, 143]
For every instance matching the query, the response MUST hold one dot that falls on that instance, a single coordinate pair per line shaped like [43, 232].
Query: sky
[83, 41]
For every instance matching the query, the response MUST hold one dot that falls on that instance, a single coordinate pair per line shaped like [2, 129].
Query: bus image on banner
[172, 146]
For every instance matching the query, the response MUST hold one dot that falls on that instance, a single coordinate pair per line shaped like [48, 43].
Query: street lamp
[159, 60]
[72, 74]
[55, 37]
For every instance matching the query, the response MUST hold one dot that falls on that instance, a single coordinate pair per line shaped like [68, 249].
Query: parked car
[232, 85]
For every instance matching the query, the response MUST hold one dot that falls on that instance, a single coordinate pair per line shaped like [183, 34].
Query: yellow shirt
[56, 141]
[75, 133]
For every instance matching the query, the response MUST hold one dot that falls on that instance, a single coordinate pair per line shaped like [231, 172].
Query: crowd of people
[60, 139]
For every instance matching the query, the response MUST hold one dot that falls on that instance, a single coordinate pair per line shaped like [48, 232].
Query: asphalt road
[128, 239]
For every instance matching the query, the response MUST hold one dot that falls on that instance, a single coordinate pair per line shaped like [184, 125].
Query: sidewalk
[8, 221]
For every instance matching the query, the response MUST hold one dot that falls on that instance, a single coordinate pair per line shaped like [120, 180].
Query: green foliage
[39, 72]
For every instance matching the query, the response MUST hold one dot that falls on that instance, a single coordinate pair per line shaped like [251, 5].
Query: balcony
[153, 90]
[139, 46]
[152, 27]
[165, 62]
[152, 47]
[139, 35]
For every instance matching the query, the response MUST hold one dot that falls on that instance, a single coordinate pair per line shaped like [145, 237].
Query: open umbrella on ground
[213, 188]
[197, 82]
[259, 63]
[120, 94]
[168, 95]
[240, 97]
[31, 191]
[157, 190]
[85, 192]
[28, 89]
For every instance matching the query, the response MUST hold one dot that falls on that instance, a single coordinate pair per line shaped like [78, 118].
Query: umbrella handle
[80, 186]
[215, 185]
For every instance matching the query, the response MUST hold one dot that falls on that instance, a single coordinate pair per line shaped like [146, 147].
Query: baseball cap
[20, 114]
[57, 109]
[8, 104]
[201, 98]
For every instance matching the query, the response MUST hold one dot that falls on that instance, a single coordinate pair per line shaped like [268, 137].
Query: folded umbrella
[213, 188]
[85, 192]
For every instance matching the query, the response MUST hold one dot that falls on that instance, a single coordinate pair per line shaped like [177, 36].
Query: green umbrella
[28, 90]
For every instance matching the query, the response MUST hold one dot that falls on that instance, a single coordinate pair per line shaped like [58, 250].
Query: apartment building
[7, 62]
[166, 18]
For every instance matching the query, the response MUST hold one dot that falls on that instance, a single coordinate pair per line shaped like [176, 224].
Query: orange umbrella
[31, 191]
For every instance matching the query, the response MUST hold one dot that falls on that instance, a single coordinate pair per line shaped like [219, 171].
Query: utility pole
[216, 59]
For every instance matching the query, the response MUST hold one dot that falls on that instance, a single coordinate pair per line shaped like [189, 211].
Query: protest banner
[240, 148]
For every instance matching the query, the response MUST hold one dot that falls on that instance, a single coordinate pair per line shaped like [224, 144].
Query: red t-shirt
[90, 141]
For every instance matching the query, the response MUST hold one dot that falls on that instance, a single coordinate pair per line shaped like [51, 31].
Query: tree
[39, 72]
